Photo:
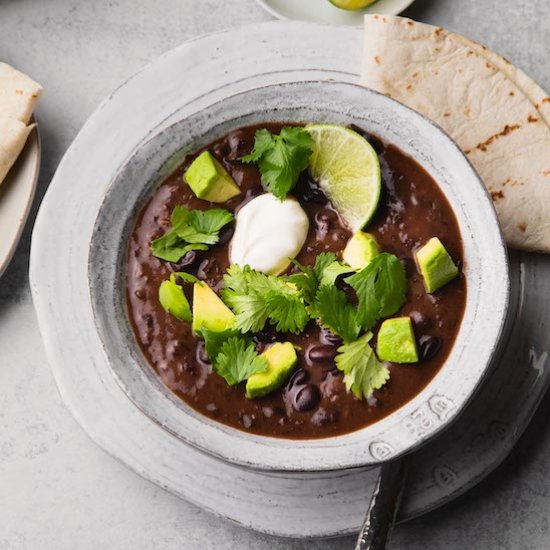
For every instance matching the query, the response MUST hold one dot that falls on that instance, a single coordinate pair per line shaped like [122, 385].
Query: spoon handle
[376, 531]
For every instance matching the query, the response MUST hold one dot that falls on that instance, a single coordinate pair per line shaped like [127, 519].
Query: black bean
[322, 230]
[315, 196]
[325, 216]
[226, 234]
[202, 355]
[322, 418]
[190, 258]
[307, 398]
[327, 337]
[237, 145]
[208, 268]
[300, 377]
[429, 347]
[321, 354]
[267, 336]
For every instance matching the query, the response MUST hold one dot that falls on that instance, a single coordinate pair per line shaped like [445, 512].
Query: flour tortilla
[538, 97]
[486, 108]
[13, 135]
[18, 94]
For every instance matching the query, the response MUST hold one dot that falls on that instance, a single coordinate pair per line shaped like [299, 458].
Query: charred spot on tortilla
[512, 94]
[522, 227]
[495, 195]
[509, 128]
[546, 100]
[377, 60]
[532, 118]
[446, 114]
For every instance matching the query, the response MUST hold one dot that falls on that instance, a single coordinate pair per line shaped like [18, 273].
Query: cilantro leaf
[187, 277]
[213, 341]
[281, 158]
[306, 281]
[263, 142]
[251, 309]
[322, 262]
[244, 294]
[199, 226]
[333, 271]
[287, 311]
[237, 360]
[364, 373]
[309, 280]
[171, 248]
[381, 288]
[336, 313]
[256, 298]
[191, 230]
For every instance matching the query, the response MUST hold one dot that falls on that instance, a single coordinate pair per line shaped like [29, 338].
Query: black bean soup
[314, 403]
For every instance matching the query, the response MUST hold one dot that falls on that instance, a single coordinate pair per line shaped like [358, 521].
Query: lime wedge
[347, 169]
[352, 4]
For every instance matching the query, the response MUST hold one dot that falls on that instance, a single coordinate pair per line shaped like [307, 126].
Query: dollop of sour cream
[267, 233]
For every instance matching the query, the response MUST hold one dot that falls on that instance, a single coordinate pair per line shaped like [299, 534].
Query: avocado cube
[281, 360]
[209, 180]
[396, 341]
[360, 250]
[436, 265]
[173, 299]
[209, 310]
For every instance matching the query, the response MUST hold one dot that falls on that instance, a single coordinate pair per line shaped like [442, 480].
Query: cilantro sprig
[237, 360]
[190, 230]
[381, 289]
[310, 278]
[364, 373]
[281, 158]
[256, 298]
[233, 356]
[336, 313]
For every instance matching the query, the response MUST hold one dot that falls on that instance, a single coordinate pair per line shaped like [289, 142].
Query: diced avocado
[360, 250]
[435, 264]
[281, 360]
[209, 180]
[173, 300]
[396, 341]
[209, 310]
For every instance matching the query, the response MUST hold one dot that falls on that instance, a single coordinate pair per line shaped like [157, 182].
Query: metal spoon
[379, 521]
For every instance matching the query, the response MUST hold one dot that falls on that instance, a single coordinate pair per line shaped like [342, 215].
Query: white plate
[322, 11]
[16, 195]
[295, 505]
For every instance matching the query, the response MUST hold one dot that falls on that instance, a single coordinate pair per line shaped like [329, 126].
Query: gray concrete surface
[57, 489]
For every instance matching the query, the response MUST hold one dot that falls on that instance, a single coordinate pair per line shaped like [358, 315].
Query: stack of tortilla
[18, 97]
[497, 114]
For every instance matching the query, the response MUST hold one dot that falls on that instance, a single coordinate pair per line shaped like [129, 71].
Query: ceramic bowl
[485, 268]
